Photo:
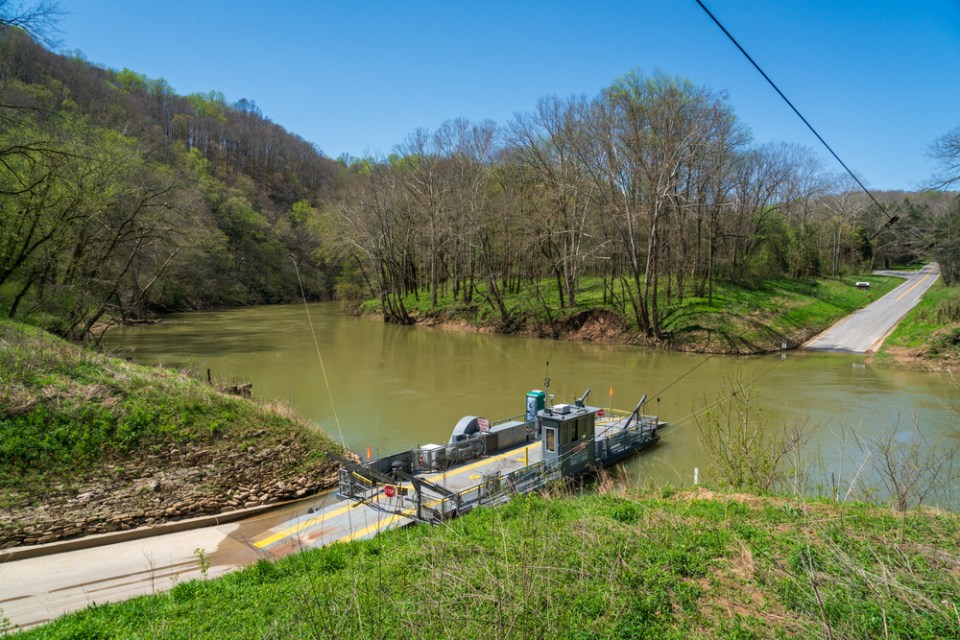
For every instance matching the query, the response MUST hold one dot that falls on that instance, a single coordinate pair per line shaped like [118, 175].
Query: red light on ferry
[600, 412]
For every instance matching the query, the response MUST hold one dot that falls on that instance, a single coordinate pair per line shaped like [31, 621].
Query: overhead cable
[890, 219]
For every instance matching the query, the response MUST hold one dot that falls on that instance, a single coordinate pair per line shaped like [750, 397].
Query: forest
[120, 198]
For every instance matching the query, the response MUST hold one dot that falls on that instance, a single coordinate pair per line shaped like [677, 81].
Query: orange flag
[369, 453]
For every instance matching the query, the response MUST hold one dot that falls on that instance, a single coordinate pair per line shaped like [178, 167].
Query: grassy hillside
[738, 319]
[82, 434]
[669, 566]
[929, 336]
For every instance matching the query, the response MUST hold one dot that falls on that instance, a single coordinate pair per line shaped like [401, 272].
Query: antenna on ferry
[546, 384]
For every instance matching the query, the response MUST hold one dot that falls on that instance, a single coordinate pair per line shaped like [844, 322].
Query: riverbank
[91, 444]
[610, 565]
[928, 338]
[737, 320]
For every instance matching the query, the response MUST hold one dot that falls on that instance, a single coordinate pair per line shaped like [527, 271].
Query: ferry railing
[517, 418]
[615, 441]
[356, 486]
[618, 442]
[612, 415]
[493, 489]
[615, 417]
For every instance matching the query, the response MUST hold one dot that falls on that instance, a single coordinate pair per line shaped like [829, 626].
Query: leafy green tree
[79, 214]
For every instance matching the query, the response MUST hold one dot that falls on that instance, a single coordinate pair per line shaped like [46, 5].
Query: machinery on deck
[516, 455]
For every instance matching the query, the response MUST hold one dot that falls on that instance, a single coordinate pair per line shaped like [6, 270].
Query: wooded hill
[118, 196]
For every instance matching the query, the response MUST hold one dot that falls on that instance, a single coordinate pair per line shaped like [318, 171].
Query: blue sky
[879, 79]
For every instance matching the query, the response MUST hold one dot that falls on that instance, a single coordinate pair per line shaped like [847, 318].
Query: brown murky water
[390, 387]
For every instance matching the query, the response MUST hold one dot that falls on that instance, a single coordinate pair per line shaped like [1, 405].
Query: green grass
[931, 330]
[745, 320]
[690, 565]
[68, 414]
[913, 266]
[738, 318]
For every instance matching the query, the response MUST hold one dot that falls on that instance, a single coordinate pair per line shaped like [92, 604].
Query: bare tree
[707, 191]
[745, 450]
[548, 141]
[39, 19]
[482, 228]
[946, 151]
[805, 189]
[666, 145]
[945, 242]
[424, 172]
[376, 233]
[761, 176]
[845, 206]
[911, 467]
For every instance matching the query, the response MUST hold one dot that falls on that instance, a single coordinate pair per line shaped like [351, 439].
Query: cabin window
[551, 439]
[574, 436]
[565, 433]
[584, 427]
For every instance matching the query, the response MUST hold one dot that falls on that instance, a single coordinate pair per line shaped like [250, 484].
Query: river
[391, 387]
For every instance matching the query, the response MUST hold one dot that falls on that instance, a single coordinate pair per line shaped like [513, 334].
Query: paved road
[864, 331]
[35, 590]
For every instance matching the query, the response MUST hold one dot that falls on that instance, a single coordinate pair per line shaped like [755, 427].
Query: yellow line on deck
[474, 465]
[297, 528]
[376, 526]
[915, 285]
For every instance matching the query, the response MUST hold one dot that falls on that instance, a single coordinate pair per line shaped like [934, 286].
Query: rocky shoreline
[176, 483]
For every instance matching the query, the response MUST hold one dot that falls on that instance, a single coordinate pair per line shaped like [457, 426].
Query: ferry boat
[486, 462]
[483, 463]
